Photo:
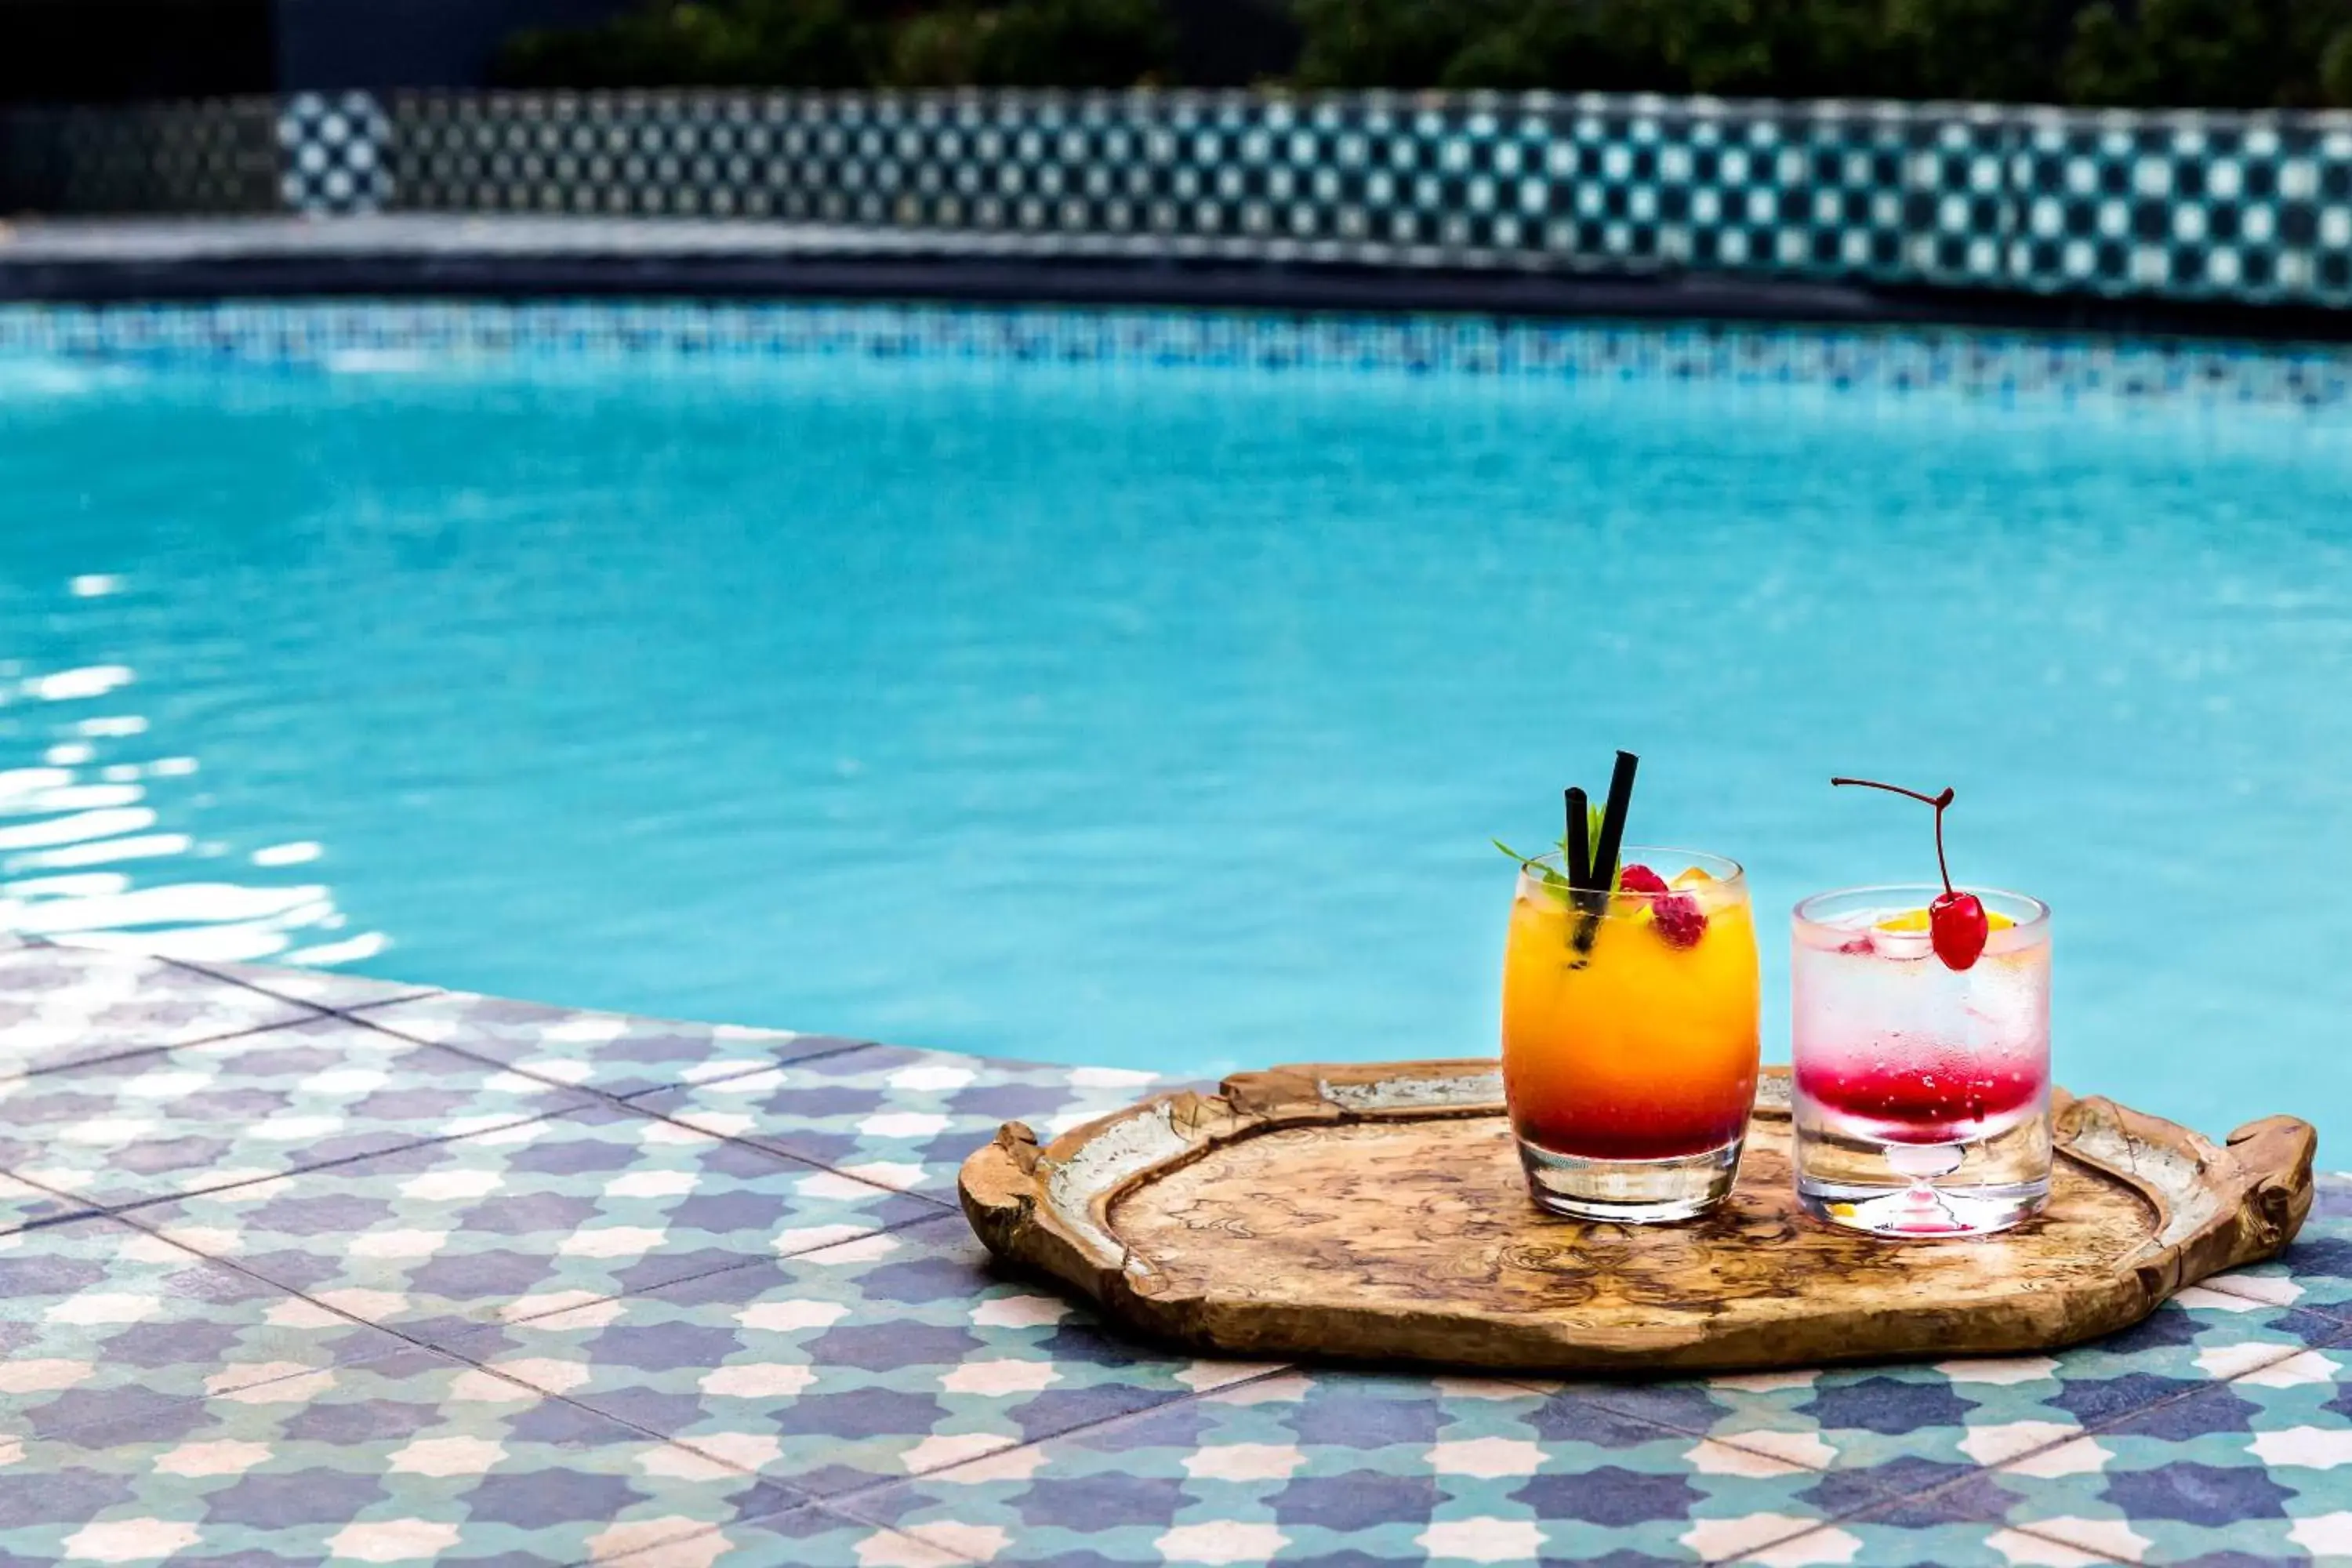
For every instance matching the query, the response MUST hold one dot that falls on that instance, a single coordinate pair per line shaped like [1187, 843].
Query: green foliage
[1610, 46]
[2336, 69]
[2184, 52]
[1073, 43]
[1732, 47]
[2243, 54]
[849, 44]
[936, 48]
[1990, 51]
[684, 43]
[2218, 53]
[1389, 43]
[1595, 819]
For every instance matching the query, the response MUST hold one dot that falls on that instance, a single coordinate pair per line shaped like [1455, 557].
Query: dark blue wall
[111, 51]
[325, 45]
[114, 50]
[328, 45]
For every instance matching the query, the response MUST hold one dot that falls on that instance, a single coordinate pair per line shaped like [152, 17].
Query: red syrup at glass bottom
[1633, 1129]
[1947, 1099]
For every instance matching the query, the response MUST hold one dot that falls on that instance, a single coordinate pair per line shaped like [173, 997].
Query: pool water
[1160, 716]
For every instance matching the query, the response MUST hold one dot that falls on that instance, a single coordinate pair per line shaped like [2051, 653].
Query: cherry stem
[1938, 801]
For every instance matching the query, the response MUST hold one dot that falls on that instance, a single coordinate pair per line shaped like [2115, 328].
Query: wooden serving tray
[1377, 1212]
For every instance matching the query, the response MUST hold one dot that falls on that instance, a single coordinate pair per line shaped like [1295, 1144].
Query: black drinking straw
[1612, 821]
[1580, 842]
[1601, 872]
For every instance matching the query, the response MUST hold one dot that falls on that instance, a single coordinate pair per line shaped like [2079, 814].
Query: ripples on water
[1161, 717]
[85, 856]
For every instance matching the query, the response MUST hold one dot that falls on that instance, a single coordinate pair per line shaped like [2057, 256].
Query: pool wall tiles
[2180, 204]
[309, 154]
[218, 156]
[335, 153]
[417, 334]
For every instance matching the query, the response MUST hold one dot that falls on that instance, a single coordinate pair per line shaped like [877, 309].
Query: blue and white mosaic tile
[2179, 204]
[101, 1321]
[851, 1365]
[133, 1128]
[532, 1217]
[59, 1006]
[23, 1204]
[454, 338]
[1325, 1467]
[528, 1292]
[219, 155]
[899, 1119]
[607, 1052]
[334, 151]
[2173, 204]
[328, 989]
[409, 1457]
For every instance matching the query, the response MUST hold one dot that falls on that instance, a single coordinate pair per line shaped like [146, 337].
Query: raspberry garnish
[1679, 920]
[1638, 879]
[1675, 917]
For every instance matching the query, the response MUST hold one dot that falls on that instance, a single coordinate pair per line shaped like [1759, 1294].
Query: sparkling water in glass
[1922, 1092]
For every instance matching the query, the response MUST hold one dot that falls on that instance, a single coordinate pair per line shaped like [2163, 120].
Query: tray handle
[999, 1184]
[2245, 1205]
[2276, 1154]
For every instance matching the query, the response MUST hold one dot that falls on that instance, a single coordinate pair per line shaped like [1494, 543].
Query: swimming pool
[1158, 714]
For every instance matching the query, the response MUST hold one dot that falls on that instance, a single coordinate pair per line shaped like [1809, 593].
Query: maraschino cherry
[1956, 921]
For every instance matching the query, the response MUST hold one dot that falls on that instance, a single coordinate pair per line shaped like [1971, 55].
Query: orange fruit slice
[1918, 921]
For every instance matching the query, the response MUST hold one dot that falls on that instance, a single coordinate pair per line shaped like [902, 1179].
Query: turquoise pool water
[1160, 715]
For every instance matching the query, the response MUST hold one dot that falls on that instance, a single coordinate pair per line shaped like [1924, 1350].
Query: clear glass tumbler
[1922, 1092]
[1630, 1036]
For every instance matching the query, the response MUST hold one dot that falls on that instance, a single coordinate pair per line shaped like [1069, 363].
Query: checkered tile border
[309, 153]
[333, 153]
[214, 157]
[2183, 205]
[378, 336]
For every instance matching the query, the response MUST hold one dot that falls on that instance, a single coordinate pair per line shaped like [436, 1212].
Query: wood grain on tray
[1377, 1212]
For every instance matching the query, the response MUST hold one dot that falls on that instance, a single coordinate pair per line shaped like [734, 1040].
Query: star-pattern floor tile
[100, 1320]
[609, 1052]
[530, 1217]
[134, 1129]
[808, 1536]
[60, 1006]
[903, 1118]
[444, 1278]
[1929, 1533]
[1880, 1431]
[859, 1363]
[1321, 1466]
[2261, 1466]
[329, 988]
[409, 1455]
[22, 1204]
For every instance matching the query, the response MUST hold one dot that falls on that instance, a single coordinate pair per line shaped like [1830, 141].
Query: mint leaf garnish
[1551, 879]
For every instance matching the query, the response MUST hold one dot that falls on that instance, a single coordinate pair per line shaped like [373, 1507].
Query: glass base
[1628, 1191]
[1923, 1209]
[1966, 1187]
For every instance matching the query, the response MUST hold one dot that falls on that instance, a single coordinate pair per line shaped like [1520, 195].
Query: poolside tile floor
[297, 1269]
[602, 1051]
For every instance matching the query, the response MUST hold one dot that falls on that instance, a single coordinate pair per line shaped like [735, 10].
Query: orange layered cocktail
[1630, 1033]
[1628, 1019]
